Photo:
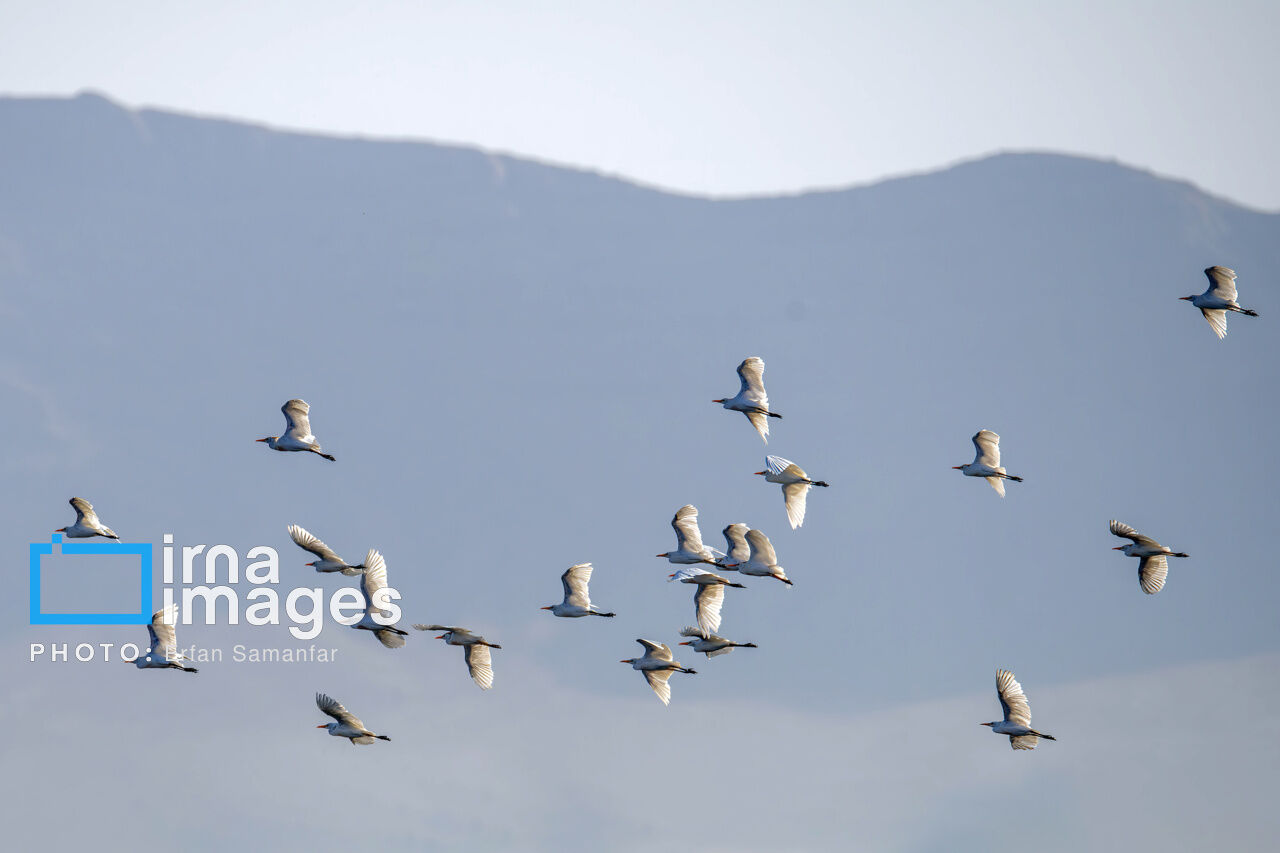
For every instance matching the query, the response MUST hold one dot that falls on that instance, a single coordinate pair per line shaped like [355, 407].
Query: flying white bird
[689, 547]
[1153, 566]
[751, 399]
[762, 562]
[712, 645]
[87, 523]
[348, 725]
[329, 561]
[735, 536]
[1220, 298]
[657, 664]
[374, 580]
[795, 485]
[577, 601]
[1017, 714]
[475, 649]
[708, 598]
[162, 653]
[986, 462]
[297, 435]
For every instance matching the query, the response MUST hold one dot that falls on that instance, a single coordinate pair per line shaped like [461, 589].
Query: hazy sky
[711, 97]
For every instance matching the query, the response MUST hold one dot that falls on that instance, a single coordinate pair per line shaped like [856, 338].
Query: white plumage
[657, 664]
[986, 461]
[87, 523]
[346, 724]
[795, 486]
[577, 600]
[1017, 714]
[1153, 563]
[297, 435]
[751, 398]
[1218, 299]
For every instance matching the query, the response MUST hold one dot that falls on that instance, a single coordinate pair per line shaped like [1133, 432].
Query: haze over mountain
[513, 364]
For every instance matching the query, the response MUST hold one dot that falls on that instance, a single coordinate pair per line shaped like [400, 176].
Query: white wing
[795, 495]
[987, 445]
[736, 537]
[685, 523]
[1151, 573]
[1217, 318]
[334, 709]
[163, 637]
[574, 581]
[308, 542]
[84, 512]
[751, 372]
[657, 679]
[997, 483]
[707, 601]
[661, 651]
[374, 579]
[776, 465]
[1222, 284]
[298, 424]
[1024, 741]
[1119, 528]
[479, 664]
[762, 548]
[687, 572]
[761, 423]
[1012, 699]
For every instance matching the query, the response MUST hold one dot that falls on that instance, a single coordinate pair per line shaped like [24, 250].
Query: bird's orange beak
[548, 607]
[259, 439]
[718, 401]
[688, 642]
[1118, 548]
[956, 467]
[441, 637]
[984, 724]
[308, 564]
[660, 555]
[322, 725]
[1188, 298]
[61, 530]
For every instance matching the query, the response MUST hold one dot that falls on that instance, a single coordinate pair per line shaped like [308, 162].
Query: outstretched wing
[685, 523]
[707, 601]
[1012, 699]
[762, 548]
[657, 679]
[661, 651]
[795, 496]
[84, 512]
[374, 579]
[164, 640]
[452, 628]
[987, 446]
[1151, 573]
[1119, 528]
[297, 422]
[751, 372]
[307, 542]
[1023, 741]
[776, 465]
[334, 709]
[761, 423]
[479, 664]
[736, 537]
[1217, 318]
[1222, 283]
[574, 581]
[997, 483]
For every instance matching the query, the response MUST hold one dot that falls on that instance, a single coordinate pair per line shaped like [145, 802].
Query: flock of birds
[749, 552]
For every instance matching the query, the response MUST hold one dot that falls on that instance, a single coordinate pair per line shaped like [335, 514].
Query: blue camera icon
[143, 551]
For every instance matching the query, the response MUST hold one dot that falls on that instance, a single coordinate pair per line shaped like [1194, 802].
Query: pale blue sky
[712, 97]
